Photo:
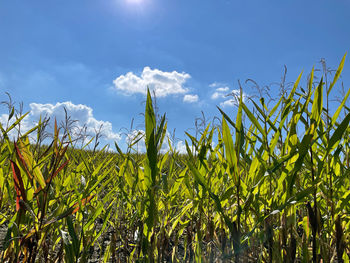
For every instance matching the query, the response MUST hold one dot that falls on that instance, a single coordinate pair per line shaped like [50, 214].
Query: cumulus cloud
[81, 116]
[190, 98]
[161, 82]
[229, 96]
[230, 103]
[181, 147]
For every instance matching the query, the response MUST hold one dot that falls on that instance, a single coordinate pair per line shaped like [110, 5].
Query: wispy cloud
[161, 82]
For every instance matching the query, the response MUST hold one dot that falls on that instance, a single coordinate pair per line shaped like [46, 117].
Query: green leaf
[106, 217]
[12, 113]
[262, 113]
[338, 133]
[69, 253]
[152, 158]
[119, 150]
[197, 175]
[317, 103]
[341, 106]
[161, 131]
[92, 219]
[73, 235]
[337, 74]
[253, 119]
[229, 150]
[303, 148]
[227, 118]
[311, 79]
[17, 121]
[275, 108]
[288, 102]
[150, 121]
[239, 131]
[151, 143]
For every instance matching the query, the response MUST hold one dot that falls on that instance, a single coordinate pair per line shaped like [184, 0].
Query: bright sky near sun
[96, 57]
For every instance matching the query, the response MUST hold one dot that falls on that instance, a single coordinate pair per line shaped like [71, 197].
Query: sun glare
[136, 7]
[134, 1]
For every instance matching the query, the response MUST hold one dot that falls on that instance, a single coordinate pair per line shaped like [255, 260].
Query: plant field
[270, 184]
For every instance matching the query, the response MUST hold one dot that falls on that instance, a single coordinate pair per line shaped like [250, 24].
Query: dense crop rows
[273, 188]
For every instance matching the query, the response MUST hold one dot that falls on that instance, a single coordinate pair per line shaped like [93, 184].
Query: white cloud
[135, 135]
[216, 84]
[82, 114]
[190, 98]
[181, 147]
[5, 124]
[232, 99]
[163, 83]
[223, 92]
[229, 103]
[24, 125]
[3, 119]
[220, 93]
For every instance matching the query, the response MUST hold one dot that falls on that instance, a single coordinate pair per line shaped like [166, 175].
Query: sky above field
[95, 58]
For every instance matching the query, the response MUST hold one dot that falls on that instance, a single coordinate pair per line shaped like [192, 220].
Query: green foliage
[270, 188]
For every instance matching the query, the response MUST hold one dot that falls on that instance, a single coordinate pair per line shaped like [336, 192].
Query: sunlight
[140, 7]
[135, 1]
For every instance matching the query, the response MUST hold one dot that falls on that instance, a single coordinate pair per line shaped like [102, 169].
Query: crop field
[270, 184]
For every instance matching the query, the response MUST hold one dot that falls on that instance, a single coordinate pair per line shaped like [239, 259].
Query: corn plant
[270, 184]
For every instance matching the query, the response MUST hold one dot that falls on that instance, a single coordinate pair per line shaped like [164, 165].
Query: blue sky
[95, 57]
